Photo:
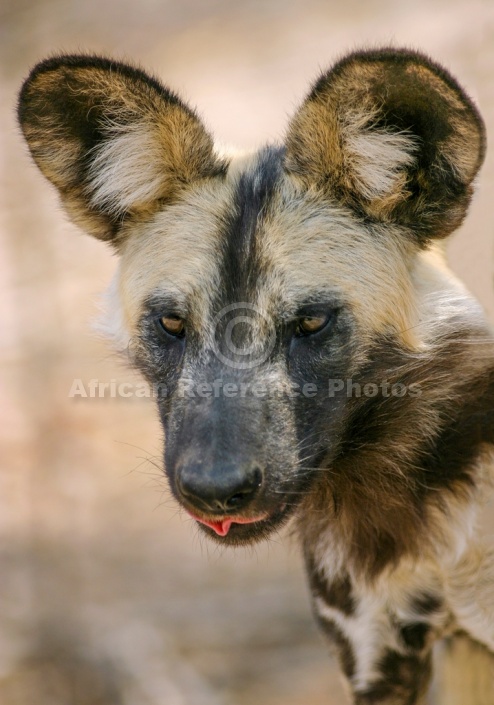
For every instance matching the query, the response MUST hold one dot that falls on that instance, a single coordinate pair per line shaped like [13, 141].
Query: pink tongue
[223, 527]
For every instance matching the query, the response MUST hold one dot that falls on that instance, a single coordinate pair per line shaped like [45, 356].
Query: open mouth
[222, 526]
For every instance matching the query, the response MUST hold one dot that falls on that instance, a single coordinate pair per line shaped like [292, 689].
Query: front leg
[386, 659]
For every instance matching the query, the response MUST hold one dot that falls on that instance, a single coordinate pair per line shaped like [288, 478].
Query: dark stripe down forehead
[239, 270]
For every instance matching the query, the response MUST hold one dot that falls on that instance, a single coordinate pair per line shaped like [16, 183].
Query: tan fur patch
[176, 252]
[306, 247]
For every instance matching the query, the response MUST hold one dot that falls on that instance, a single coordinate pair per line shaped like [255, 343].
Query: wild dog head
[249, 286]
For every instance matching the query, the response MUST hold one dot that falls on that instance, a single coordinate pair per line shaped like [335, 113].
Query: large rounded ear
[113, 140]
[392, 135]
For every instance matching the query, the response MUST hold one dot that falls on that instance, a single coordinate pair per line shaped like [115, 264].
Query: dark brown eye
[311, 324]
[173, 325]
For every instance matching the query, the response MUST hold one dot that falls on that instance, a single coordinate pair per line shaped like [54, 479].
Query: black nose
[219, 490]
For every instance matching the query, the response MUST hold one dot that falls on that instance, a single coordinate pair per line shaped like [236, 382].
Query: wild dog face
[249, 285]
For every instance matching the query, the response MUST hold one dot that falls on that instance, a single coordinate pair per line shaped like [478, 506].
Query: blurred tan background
[108, 595]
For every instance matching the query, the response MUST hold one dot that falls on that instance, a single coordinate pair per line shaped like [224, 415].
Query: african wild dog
[320, 361]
